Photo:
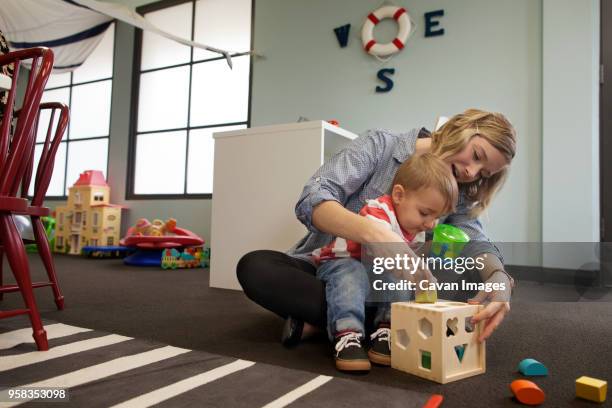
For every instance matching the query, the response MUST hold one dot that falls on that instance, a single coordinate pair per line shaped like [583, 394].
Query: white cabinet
[258, 176]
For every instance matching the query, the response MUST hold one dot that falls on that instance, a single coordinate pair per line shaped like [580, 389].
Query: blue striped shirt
[364, 170]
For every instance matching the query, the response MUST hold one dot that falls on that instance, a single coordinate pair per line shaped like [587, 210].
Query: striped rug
[108, 370]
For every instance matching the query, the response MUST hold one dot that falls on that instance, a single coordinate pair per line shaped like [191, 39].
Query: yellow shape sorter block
[591, 389]
[436, 341]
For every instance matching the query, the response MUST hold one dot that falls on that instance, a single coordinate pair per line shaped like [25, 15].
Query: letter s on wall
[388, 81]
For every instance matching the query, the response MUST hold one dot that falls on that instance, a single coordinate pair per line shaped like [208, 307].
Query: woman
[477, 145]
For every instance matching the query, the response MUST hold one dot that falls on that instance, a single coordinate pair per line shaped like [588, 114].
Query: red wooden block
[434, 401]
[527, 392]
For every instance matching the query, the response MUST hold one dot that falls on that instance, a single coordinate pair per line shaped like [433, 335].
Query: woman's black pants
[289, 287]
[284, 285]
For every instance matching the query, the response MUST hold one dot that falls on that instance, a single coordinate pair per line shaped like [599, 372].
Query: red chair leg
[45, 254]
[18, 260]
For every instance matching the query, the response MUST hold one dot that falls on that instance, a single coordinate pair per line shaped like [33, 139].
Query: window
[60, 241]
[87, 91]
[184, 95]
[110, 241]
[84, 219]
[94, 220]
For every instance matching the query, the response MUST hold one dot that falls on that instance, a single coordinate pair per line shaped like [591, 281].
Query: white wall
[533, 60]
[490, 57]
[570, 165]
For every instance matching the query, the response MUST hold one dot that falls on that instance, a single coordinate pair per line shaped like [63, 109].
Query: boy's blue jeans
[347, 287]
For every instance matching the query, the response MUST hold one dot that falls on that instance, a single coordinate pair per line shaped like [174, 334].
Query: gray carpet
[178, 308]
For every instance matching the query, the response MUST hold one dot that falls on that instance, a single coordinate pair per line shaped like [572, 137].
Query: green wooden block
[427, 296]
[426, 359]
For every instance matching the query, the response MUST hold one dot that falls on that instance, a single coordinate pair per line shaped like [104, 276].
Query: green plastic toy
[448, 241]
[49, 224]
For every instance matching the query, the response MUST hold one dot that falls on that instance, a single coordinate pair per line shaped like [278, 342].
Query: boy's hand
[497, 305]
[388, 244]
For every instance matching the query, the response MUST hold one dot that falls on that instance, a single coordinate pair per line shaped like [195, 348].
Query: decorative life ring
[400, 15]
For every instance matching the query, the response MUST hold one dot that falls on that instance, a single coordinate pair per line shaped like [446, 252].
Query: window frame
[136, 73]
[70, 87]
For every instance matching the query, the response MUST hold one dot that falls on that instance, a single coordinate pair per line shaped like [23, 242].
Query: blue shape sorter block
[531, 367]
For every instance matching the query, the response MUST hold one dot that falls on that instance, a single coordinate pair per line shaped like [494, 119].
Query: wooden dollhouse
[88, 219]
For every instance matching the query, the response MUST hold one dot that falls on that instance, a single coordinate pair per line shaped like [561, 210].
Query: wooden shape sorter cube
[436, 340]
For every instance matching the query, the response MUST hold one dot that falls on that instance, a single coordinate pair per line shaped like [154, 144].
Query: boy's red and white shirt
[380, 210]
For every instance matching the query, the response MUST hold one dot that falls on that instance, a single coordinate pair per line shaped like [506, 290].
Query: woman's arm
[479, 242]
[332, 218]
[345, 174]
[497, 303]
[321, 206]
[480, 246]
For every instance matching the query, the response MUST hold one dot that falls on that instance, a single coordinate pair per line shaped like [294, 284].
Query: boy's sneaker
[380, 346]
[350, 354]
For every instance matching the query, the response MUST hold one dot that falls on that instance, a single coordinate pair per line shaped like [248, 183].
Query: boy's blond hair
[429, 171]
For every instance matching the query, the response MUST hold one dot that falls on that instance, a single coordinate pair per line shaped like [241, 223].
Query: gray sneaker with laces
[349, 352]
[380, 346]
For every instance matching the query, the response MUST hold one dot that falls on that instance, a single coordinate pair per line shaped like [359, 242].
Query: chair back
[53, 138]
[16, 144]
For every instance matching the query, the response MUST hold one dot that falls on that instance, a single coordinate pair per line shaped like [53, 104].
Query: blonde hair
[428, 171]
[454, 135]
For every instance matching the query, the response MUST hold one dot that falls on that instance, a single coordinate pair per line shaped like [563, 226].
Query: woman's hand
[497, 305]
[378, 240]
[492, 314]
[387, 244]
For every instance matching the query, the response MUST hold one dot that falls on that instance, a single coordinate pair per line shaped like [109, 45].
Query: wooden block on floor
[527, 392]
[531, 367]
[591, 389]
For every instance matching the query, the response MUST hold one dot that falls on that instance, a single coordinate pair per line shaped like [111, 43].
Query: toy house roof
[91, 178]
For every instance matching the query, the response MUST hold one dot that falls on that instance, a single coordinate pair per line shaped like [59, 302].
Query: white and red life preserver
[400, 15]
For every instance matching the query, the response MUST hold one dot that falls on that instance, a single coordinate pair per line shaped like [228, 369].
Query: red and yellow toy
[159, 235]
[157, 228]
[151, 238]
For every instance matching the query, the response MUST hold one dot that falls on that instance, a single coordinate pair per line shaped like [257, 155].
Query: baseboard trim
[574, 277]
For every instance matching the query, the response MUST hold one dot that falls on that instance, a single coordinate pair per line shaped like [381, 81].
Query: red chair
[42, 179]
[15, 149]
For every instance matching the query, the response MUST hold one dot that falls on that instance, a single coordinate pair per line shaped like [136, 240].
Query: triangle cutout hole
[460, 351]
